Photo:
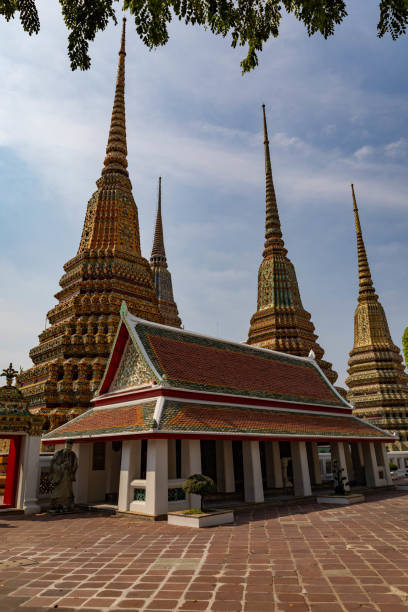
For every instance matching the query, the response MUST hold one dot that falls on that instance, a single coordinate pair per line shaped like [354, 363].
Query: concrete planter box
[210, 519]
[343, 500]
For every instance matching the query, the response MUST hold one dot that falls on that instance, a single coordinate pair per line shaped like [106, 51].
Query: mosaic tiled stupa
[161, 274]
[378, 384]
[107, 269]
[280, 322]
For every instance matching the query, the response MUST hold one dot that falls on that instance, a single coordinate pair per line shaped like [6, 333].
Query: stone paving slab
[295, 558]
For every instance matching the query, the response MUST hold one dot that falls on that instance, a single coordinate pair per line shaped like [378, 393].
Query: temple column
[225, 466]
[273, 465]
[385, 463]
[349, 461]
[129, 469]
[338, 454]
[157, 477]
[83, 452]
[300, 466]
[229, 467]
[172, 458]
[191, 464]
[370, 465]
[253, 485]
[30, 475]
[314, 463]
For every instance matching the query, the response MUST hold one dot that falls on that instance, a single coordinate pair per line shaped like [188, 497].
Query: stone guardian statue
[64, 465]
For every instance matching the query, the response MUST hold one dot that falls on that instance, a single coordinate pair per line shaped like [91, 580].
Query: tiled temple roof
[197, 362]
[179, 416]
[171, 360]
[136, 418]
[188, 417]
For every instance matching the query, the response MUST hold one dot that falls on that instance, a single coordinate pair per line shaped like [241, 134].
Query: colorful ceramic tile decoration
[377, 380]
[108, 268]
[280, 322]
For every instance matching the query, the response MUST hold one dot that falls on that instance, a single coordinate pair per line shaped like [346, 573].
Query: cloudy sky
[337, 113]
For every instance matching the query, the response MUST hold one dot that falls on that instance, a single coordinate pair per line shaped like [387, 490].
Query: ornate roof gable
[132, 370]
[182, 359]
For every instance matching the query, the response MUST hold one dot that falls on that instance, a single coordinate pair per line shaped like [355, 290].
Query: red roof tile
[108, 420]
[203, 417]
[226, 368]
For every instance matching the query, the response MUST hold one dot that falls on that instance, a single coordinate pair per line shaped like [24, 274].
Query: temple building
[280, 322]
[174, 403]
[71, 355]
[378, 384]
[161, 275]
[20, 437]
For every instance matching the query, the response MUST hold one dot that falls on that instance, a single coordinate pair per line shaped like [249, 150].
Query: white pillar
[300, 466]
[273, 465]
[172, 458]
[229, 478]
[253, 485]
[338, 454]
[277, 466]
[386, 463]
[349, 461]
[83, 451]
[29, 475]
[370, 465]
[191, 464]
[225, 466]
[315, 463]
[129, 470]
[157, 477]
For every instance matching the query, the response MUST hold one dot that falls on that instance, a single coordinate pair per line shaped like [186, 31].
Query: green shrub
[393, 466]
[198, 484]
[405, 346]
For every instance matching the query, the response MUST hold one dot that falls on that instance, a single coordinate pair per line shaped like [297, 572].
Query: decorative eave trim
[163, 397]
[108, 398]
[109, 363]
[150, 433]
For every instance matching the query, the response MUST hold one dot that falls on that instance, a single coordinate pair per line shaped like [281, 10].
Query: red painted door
[13, 465]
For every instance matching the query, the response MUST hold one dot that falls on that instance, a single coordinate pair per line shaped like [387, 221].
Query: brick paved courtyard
[289, 558]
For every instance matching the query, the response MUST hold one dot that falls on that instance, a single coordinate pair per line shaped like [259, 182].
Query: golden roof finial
[116, 150]
[9, 373]
[273, 232]
[364, 275]
[158, 250]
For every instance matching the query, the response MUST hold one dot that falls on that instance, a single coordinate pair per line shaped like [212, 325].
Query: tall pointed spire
[273, 232]
[107, 269]
[116, 150]
[377, 382]
[158, 250]
[109, 223]
[364, 274]
[280, 322]
[161, 275]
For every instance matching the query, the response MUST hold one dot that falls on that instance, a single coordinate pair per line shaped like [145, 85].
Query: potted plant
[198, 484]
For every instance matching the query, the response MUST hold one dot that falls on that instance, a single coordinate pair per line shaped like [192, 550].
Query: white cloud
[364, 152]
[397, 149]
